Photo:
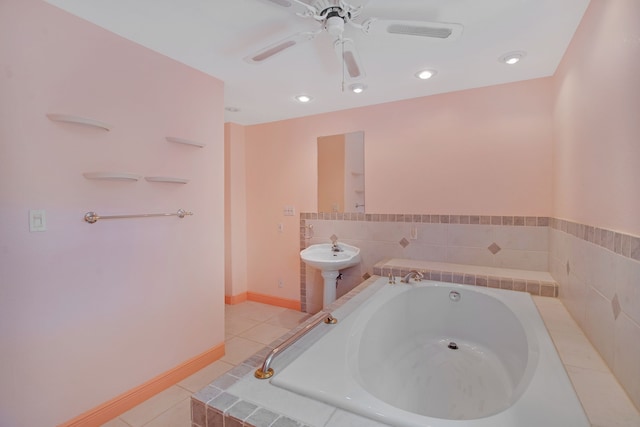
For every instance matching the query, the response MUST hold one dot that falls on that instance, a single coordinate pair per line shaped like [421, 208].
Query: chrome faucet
[416, 275]
[336, 248]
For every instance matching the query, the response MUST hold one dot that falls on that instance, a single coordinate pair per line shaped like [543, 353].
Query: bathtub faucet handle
[416, 275]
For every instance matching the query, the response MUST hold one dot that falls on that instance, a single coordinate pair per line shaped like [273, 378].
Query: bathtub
[440, 354]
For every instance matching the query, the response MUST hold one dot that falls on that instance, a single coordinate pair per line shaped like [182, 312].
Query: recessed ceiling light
[303, 98]
[357, 87]
[426, 74]
[512, 58]
[232, 109]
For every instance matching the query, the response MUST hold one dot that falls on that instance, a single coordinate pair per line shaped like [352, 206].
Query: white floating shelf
[185, 141]
[166, 179]
[112, 176]
[67, 118]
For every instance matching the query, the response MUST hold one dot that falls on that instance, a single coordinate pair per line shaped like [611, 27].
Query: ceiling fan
[334, 15]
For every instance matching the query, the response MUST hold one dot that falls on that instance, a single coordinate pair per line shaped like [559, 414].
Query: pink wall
[485, 151]
[597, 126]
[90, 311]
[235, 210]
[596, 182]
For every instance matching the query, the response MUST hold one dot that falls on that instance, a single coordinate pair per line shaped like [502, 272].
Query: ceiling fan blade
[283, 3]
[288, 3]
[432, 30]
[352, 64]
[280, 46]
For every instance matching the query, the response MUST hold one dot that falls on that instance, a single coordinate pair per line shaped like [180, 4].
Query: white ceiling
[215, 35]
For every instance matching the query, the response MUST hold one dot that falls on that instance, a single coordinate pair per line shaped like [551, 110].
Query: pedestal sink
[329, 261]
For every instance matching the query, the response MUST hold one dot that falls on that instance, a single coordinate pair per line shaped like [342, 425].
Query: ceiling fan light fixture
[335, 26]
[303, 98]
[357, 87]
[426, 74]
[512, 58]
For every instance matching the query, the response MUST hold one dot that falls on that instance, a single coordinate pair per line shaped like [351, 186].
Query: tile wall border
[528, 221]
[626, 245]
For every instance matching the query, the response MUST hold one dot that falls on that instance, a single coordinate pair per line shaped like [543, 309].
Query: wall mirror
[341, 173]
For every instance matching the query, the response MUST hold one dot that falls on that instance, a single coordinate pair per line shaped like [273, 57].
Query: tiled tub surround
[598, 272]
[512, 242]
[595, 271]
[237, 399]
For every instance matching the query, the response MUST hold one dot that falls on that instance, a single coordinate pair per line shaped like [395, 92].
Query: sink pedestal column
[329, 293]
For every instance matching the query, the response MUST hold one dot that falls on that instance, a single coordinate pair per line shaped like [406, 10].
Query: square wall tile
[628, 287]
[475, 236]
[522, 260]
[599, 324]
[626, 365]
[522, 238]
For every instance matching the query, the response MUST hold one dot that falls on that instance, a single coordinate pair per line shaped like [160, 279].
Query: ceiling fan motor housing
[335, 25]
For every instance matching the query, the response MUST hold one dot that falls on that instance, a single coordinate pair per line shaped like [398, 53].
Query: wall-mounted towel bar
[92, 217]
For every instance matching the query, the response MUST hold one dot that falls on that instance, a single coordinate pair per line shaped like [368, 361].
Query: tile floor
[250, 325]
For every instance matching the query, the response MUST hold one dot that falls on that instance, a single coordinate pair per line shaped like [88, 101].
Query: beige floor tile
[265, 313]
[238, 349]
[264, 333]
[177, 416]
[254, 310]
[116, 422]
[204, 376]
[235, 325]
[236, 310]
[151, 408]
[288, 319]
[604, 401]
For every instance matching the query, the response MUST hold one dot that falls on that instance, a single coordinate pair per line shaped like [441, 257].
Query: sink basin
[323, 258]
[330, 263]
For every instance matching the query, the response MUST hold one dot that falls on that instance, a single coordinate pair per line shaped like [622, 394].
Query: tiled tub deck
[237, 399]
[538, 283]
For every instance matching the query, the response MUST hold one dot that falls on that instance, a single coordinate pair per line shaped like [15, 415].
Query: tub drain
[453, 346]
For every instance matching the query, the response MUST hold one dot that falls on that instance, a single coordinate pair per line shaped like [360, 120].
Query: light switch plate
[289, 211]
[37, 220]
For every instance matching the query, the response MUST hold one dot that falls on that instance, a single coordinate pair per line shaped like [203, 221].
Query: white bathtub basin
[391, 361]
